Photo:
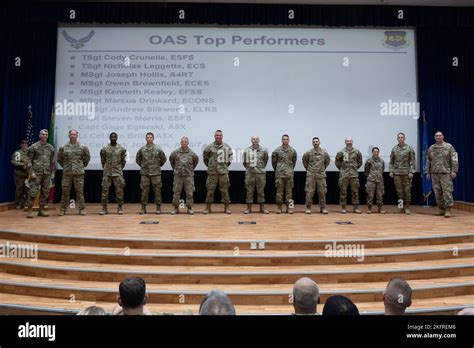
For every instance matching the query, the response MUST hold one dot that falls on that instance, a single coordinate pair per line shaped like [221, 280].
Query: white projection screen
[190, 81]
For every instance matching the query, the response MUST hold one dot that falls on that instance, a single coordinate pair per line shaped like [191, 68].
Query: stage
[255, 258]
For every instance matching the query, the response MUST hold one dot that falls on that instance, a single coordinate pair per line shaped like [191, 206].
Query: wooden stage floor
[220, 226]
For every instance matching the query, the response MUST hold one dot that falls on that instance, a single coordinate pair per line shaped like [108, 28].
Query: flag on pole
[30, 136]
[52, 141]
[426, 182]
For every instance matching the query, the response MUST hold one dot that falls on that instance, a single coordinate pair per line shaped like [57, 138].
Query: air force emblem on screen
[77, 43]
[395, 39]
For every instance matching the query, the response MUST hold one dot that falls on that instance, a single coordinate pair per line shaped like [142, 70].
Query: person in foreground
[305, 297]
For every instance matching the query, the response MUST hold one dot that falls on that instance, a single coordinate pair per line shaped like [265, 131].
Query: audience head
[216, 303]
[132, 296]
[305, 296]
[93, 310]
[397, 296]
[340, 305]
[467, 311]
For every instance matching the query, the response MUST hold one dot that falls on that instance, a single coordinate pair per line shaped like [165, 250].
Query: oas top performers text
[235, 40]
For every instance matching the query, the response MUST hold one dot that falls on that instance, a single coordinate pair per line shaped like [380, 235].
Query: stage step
[355, 254]
[31, 305]
[270, 244]
[183, 257]
[271, 294]
[240, 274]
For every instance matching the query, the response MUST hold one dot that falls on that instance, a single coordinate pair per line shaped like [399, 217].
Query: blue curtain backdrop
[446, 93]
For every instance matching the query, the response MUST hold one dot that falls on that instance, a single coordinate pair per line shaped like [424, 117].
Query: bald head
[397, 296]
[467, 311]
[305, 296]
[216, 303]
[255, 140]
[348, 141]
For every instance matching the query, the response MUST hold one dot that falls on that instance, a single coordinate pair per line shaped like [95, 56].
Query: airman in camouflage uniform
[217, 157]
[402, 167]
[41, 168]
[315, 161]
[183, 161]
[73, 157]
[150, 158]
[255, 159]
[283, 162]
[373, 170]
[348, 161]
[442, 166]
[113, 158]
[20, 165]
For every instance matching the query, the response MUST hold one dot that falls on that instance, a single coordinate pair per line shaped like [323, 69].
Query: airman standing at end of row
[19, 161]
[442, 167]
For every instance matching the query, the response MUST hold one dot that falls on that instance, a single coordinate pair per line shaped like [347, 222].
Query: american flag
[29, 128]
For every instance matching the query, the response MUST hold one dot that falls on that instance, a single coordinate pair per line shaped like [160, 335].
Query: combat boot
[289, 209]
[143, 210]
[190, 210]
[279, 211]
[343, 209]
[369, 209]
[440, 212]
[249, 208]
[263, 210]
[61, 212]
[41, 211]
[323, 210]
[356, 209]
[208, 209]
[82, 212]
[175, 210]
[308, 209]
[381, 210]
[158, 209]
[29, 214]
[119, 209]
[447, 213]
[407, 210]
[226, 208]
[104, 210]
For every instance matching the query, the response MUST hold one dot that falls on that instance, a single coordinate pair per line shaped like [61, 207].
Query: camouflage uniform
[315, 161]
[348, 161]
[402, 163]
[283, 162]
[42, 164]
[217, 158]
[255, 160]
[20, 164]
[150, 159]
[113, 160]
[73, 158]
[441, 161]
[373, 169]
[183, 162]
